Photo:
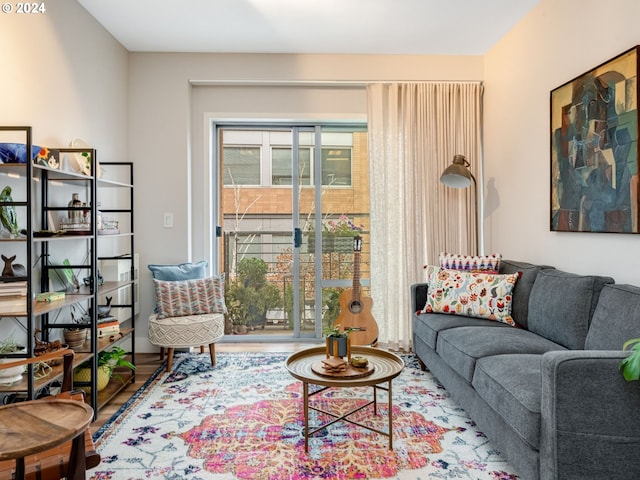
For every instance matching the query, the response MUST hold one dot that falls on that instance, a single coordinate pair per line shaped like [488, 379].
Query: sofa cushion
[561, 306]
[616, 319]
[479, 295]
[469, 263]
[522, 290]
[427, 325]
[461, 347]
[512, 386]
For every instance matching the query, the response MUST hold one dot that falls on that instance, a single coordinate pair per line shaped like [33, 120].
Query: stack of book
[13, 298]
[108, 326]
[13, 289]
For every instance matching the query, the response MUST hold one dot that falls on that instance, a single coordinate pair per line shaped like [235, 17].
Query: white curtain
[415, 129]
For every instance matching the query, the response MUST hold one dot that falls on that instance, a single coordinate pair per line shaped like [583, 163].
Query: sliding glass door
[291, 200]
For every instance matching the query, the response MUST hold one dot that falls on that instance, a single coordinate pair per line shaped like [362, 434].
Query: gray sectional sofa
[548, 394]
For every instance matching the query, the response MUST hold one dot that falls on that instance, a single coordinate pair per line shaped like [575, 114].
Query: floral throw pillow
[190, 297]
[476, 263]
[480, 295]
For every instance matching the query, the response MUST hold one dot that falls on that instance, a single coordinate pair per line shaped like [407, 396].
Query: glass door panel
[344, 213]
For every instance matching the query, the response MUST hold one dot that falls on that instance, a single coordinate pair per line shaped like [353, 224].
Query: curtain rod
[315, 83]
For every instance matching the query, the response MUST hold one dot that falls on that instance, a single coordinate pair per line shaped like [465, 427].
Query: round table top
[386, 367]
[37, 425]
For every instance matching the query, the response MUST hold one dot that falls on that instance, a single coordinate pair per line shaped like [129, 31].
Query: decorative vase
[84, 375]
[75, 337]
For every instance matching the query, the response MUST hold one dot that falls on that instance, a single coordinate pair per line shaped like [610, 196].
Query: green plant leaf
[630, 366]
[630, 342]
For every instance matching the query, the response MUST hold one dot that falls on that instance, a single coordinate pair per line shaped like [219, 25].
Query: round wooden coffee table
[386, 367]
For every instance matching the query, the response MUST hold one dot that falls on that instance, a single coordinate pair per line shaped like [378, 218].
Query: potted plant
[630, 366]
[108, 360]
[250, 296]
[236, 308]
[12, 374]
[335, 334]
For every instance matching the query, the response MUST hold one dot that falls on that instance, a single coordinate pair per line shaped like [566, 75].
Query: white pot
[13, 374]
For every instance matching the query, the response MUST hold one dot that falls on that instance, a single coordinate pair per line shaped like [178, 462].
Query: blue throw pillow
[182, 271]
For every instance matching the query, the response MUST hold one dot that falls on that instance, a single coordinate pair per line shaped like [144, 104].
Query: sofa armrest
[590, 417]
[418, 296]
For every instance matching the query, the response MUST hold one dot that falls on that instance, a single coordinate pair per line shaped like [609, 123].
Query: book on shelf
[102, 332]
[49, 296]
[107, 321]
[8, 289]
[13, 305]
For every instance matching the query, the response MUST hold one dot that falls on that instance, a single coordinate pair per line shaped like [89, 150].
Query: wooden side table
[27, 428]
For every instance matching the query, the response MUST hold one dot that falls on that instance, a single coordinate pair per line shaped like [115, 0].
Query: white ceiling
[416, 27]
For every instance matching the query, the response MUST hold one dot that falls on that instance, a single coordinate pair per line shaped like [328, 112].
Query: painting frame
[594, 149]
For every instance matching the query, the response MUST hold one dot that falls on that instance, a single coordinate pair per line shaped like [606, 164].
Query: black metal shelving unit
[40, 198]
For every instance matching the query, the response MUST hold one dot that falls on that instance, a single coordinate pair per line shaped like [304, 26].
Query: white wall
[557, 41]
[66, 76]
[165, 148]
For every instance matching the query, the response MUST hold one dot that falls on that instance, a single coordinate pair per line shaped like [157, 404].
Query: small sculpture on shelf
[104, 310]
[8, 214]
[12, 270]
[41, 347]
[87, 280]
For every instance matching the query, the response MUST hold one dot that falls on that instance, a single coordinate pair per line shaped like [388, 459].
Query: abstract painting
[594, 149]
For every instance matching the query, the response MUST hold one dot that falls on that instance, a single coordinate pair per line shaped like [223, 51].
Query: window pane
[281, 166]
[241, 165]
[336, 166]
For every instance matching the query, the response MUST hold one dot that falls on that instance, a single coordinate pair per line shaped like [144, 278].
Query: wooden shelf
[40, 308]
[17, 306]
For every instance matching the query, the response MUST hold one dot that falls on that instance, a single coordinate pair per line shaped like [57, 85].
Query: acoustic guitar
[355, 309]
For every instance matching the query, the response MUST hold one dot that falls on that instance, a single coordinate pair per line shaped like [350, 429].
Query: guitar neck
[355, 288]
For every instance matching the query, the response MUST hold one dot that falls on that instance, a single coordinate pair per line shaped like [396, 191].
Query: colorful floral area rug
[243, 419]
